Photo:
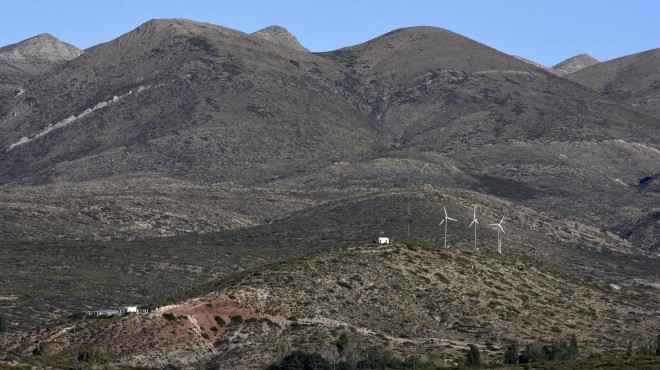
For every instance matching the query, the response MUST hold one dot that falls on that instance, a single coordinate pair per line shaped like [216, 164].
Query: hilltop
[281, 36]
[24, 60]
[574, 64]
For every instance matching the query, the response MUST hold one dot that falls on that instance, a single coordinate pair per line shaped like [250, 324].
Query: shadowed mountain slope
[184, 99]
[632, 80]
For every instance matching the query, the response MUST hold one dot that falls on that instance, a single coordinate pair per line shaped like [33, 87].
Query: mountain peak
[574, 64]
[281, 36]
[41, 48]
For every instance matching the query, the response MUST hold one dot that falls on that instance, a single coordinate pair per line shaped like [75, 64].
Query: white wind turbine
[499, 238]
[445, 221]
[475, 223]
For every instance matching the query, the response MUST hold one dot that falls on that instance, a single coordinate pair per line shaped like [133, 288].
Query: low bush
[236, 320]
[91, 356]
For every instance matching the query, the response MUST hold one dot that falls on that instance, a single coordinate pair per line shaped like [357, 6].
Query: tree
[473, 356]
[342, 345]
[533, 352]
[3, 325]
[511, 354]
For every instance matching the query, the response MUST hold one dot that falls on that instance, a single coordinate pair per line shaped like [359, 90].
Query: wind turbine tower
[499, 238]
[445, 221]
[475, 223]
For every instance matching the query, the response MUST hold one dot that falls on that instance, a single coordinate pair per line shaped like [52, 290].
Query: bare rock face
[281, 36]
[574, 64]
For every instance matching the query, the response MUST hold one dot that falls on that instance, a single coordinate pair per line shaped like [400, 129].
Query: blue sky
[546, 31]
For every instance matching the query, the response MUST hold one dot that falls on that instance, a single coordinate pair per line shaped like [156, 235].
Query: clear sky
[546, 31]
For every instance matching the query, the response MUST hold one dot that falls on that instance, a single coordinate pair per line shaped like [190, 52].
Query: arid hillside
[188, 162]
[410, 300]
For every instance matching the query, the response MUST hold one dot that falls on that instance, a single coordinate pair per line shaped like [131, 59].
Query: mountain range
[182, 135]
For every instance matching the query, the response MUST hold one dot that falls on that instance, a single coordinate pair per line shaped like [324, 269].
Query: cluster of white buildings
[120, 311]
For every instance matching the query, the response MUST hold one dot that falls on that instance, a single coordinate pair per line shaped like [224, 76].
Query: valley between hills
[237, 183]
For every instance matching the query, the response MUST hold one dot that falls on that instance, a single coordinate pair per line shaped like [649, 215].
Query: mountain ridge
[629, 79]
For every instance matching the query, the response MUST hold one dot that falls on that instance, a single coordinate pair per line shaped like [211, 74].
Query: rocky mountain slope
[574, 64]
[632, 80]
[21, 61]
[189, 138]
[208, 105]
[411, 300]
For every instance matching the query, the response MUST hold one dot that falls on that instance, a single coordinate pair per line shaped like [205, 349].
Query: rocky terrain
[574, 64]
[412, 300]
[281, 36]
[632, 80]
[185, 152]
[29, 58]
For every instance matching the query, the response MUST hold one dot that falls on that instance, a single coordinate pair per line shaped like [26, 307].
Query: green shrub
[473, 356]
[41, 349]
[342, 344]
[220, 321]
[3, 325]
[169, 316]
[91, 356]
[236, 320]
[533, 352]
[206, 336]
[511, 354]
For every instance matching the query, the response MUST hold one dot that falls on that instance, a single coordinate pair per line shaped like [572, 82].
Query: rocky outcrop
[574, 64]
[281, 36]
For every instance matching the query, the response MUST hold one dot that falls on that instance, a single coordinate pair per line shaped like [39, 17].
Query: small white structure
[383, 240]
[128, 309]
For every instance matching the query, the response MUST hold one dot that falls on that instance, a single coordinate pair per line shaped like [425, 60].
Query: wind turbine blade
[494, 224]
[472, 223]
[476, 222]
[500, 226]
[449, 218]
[443, 221]
[501, 219]
[445, 211]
